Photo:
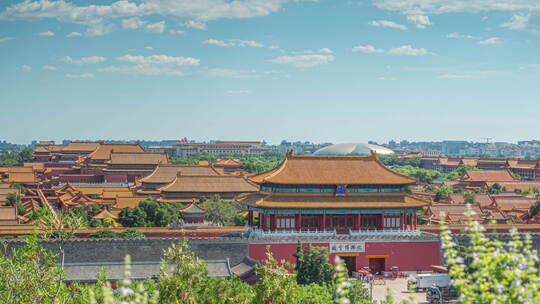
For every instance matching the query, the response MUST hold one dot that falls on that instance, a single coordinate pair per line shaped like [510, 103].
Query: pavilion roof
[22, 177]
[81, 146]
[20, 169]
[488, 176]
[138, 158]
[296, 169]
[459, 199]
[193, 208]
[517, 203]
[104, 215]
[227, 162]
[210, 184]
[523, 164]
[103, 152]
[128, 202]
[326, 201]
[166, 173]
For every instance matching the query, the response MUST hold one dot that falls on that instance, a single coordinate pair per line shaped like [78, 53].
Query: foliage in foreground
[489, 270]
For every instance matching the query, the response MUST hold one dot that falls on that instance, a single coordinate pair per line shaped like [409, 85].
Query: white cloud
[148, 48]
[49, 67]
[326, 51]
[156, 28]
[238, 92]
[527, 23]
[274, 47]
[99, 29]
[6, 39]
[84, 75]
[83, 60]
[484, 18]
[367, 49]
[304, 61]
[98, 18]
[479, 74]
[47, 34]
[243, 43]
[26, 68]
[133, 23]
[421, 21]
[233, 42]
[144, 69]
[198, 25]
[74, 34]
[491, 41]
[176, 32]
[229, 73]
[387, 23]
[160, 60]
[408, 50]
[219, 43]
[458, 36]
[417, 7]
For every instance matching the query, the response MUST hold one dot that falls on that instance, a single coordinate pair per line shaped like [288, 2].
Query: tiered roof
[487, 176]
[138, 158]
[193, 209]
[103, 152]
[517, 185]
[227, 162]
[104, 215]
[332, 170]
[210, 184]
[330, 201]
[81, 146]
[165, 173]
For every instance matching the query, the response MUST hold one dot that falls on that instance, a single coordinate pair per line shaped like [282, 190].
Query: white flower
[125, 291]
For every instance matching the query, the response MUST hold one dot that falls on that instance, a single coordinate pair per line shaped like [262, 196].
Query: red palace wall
[407, 256]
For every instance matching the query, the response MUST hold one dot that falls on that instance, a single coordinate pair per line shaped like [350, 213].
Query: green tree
[312, 265]
[15, 200]
[30, 275]
[226, 291]
[182, 276]
[220, 211]
[315, 294]
[497, 271]
[103, 234]
[276, 284]
[132, 217]
[131, 234]
[470, 197]
[535, 209]
[442, 192]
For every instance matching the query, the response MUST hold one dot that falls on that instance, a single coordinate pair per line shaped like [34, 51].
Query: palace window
[286, 222]
[310, 222]
[391, 221]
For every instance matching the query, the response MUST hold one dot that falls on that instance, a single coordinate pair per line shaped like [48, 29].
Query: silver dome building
[353, 149]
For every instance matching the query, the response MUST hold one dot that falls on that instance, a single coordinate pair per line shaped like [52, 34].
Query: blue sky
[339, 71]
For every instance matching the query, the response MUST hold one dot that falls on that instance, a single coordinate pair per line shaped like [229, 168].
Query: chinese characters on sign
[347, 247]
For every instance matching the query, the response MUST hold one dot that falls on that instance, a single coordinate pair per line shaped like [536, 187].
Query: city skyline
[324, 71]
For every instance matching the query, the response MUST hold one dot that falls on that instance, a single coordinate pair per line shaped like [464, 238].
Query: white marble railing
[254, 232]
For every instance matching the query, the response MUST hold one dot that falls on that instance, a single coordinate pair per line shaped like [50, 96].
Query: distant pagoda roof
[167, 173]
[193, 208]
[332, 170]
[210, 184]
[103, 151]
[138, 158]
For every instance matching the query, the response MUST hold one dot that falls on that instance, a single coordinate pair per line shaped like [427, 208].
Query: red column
[262, 221]
[415, 218]
[401, 221]
[300, 222]
[323, 222]
[359, 221]
[297, 222]
[273, 222]
[381, 221]
[250, 218]
[355, 222]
